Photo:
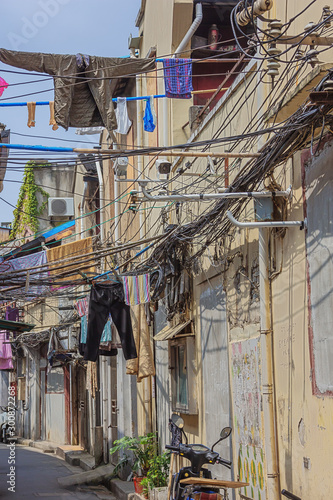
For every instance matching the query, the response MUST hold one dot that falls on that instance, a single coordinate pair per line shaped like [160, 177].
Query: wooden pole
[189, 154]
[170, 475]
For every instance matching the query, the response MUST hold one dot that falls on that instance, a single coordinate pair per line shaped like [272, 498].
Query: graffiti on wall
[245, 370]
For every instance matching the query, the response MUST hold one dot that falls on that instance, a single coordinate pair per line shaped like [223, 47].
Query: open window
[215, 49]
[182, 366]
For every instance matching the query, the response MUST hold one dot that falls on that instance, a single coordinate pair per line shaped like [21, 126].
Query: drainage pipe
[99, 166]
[85, 187]
[266, 345]
[191, 31]
[288, 223]
[139, 136]
[267, 368]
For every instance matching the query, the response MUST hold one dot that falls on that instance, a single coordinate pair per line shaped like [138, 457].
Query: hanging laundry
[143, 366]
[3, 85]
[104, 300]
[52, 120]
[136, 289]
[106, 335]
[87, 104]
[149, 118]
[81, 306]
[27, 261]
[178, 78]
[75, 249]
[6, 360]
[91, 381]
[124, 123]
[31, 114]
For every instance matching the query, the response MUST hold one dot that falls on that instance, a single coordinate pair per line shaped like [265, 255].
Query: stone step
[96, 476]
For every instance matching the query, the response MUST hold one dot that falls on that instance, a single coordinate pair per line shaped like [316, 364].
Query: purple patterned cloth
[178, 78]
[6, 361]
[26, 262]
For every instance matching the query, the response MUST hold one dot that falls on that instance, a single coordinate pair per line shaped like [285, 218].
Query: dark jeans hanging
[105, 299]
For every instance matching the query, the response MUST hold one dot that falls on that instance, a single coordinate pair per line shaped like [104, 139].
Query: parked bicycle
[195, 482]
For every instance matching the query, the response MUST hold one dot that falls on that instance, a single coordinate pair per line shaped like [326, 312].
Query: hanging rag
[104, 300]
[84, 102]
[6, 360]
[176, 434]
[143, 366]
[178, 78]
[91, 382]
[31, 114]
[3, 85]
[52, 120]
[124, 123]
[149, 118]
[136, 289]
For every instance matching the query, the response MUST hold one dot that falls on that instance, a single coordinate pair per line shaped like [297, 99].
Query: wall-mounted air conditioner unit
[61, 207]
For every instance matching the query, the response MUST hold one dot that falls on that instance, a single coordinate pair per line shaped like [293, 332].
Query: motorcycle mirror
[177, 420]
[225, 432]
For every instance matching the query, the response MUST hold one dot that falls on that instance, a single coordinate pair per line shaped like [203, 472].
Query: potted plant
[138, 452]
[157, 474]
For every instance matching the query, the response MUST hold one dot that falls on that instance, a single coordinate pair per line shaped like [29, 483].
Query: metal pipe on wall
[191, 31]
[267, 365]
[82, 208]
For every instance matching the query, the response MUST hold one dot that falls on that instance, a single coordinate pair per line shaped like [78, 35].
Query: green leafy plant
[158, 472]
[138, 451]
[27, 209]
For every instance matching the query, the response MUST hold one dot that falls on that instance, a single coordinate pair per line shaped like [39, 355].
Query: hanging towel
[3, 85]
[149, 119]
[142, 366]
[31, 114]
[82, 306]
[124, 123]
[136, 289]
[178, 78]
[52, 120]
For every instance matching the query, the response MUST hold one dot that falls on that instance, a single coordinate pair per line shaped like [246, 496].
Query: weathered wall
[301, 295]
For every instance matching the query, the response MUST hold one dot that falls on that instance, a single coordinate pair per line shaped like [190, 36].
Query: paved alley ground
[36, 477]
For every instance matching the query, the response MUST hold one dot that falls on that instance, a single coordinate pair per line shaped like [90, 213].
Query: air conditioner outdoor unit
[61, 207]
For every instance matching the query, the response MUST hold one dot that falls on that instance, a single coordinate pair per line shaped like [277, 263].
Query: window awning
[169, 332]
[15, 326]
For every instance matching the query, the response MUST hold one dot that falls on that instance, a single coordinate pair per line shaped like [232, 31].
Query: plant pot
[137, 485]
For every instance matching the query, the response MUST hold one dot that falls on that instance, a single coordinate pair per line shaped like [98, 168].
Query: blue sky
[99, 27]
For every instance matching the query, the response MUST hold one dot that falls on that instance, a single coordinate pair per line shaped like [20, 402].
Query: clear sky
[98, 27]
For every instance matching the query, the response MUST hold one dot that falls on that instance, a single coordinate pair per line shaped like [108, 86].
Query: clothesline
[137, 98]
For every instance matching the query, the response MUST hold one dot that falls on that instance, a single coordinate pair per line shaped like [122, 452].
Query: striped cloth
[82, 306]
[178, 78]
[136, 289]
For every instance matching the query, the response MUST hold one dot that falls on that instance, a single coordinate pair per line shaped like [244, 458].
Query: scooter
[194, 481]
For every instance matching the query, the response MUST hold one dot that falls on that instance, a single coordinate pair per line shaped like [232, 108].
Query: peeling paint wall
[246, 393]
